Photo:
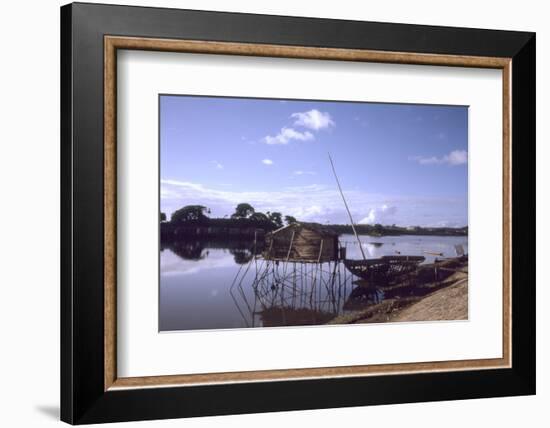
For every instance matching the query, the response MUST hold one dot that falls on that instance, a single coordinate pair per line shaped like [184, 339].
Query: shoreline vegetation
[247, 224]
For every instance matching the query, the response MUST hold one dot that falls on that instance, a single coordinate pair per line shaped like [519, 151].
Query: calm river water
[215, 285]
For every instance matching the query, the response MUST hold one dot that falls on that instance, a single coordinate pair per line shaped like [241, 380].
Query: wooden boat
[381, 270]
[384, 268]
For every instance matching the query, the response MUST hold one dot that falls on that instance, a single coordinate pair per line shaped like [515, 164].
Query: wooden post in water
[347, 208]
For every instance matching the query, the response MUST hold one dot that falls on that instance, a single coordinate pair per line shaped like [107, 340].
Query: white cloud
[217, 165]
[286, 135]
[173, 265]
[313, 202]
[313, 119]
[456, 157]
[317, 203]
[370, 218]
[267, 162]
[383, 215]
[300, 172]
[308, 212]
[446, 223]
[187, 184]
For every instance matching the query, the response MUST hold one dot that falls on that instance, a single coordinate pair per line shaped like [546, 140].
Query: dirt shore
[444, 300]
[450, 303]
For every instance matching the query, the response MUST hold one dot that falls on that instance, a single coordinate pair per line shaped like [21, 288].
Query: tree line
[245, 215]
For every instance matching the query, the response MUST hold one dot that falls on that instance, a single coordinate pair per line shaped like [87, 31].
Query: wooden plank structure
[383, 269]
[301, 242]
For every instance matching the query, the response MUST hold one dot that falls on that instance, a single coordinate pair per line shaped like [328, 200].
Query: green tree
[162, 217]
[378, 229]
[276, 218]
[290, 220]
[259, 217]
[243, 210]
[189, 213]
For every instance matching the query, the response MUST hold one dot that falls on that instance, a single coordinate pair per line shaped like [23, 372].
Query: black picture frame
[83, 398]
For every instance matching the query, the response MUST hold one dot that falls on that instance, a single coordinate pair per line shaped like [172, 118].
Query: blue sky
[397, 163]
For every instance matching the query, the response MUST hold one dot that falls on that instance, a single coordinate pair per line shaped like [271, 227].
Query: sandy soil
[450, 303]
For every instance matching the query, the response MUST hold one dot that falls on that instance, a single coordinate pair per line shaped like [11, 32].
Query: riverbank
[250, 229]
[427, 300]
[450, 303]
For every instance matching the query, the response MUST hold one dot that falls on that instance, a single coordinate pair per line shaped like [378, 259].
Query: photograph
[327, 210]
[280, 212]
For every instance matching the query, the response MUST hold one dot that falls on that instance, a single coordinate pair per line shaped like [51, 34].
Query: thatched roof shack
[302, 242]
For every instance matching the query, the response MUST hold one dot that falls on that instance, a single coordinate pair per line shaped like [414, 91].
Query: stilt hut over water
[302, 242]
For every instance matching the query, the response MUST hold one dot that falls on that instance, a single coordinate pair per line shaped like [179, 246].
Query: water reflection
[289, 294]
[219, 285]
[431, 247]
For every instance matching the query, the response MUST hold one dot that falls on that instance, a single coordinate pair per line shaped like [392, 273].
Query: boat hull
[383, 269]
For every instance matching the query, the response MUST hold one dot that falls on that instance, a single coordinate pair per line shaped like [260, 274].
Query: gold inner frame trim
[113, 43]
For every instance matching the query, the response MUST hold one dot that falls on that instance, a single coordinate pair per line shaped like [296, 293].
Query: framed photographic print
[264, 213]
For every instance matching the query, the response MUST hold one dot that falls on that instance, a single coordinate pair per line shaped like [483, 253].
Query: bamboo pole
[290, 246]
[347, 208]
[320, 251]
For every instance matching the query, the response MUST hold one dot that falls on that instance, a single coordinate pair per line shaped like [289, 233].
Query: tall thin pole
[347, 208]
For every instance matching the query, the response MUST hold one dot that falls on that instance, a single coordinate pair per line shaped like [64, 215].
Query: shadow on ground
[50, 411]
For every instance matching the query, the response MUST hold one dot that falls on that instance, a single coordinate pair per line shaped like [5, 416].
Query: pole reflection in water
[297, 293]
